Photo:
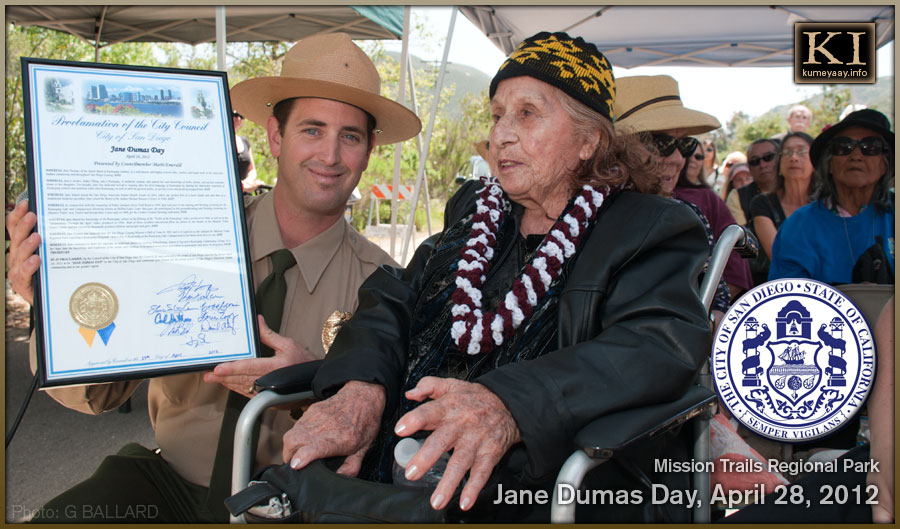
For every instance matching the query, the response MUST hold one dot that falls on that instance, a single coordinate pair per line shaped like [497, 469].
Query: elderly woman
[554, 296]
[661, 125]
[853, 209]
[792, 186]
[651, 105]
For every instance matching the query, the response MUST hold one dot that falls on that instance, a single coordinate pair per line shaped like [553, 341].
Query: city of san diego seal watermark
[793, 360]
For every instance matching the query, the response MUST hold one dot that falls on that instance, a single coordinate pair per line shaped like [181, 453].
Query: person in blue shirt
[852, 209]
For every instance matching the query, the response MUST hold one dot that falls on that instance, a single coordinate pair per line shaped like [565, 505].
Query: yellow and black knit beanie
[574, 66]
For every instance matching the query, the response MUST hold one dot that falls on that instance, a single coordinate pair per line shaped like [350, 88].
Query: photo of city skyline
[128, 99]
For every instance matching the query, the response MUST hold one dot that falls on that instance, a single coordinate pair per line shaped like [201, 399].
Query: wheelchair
[599, 442]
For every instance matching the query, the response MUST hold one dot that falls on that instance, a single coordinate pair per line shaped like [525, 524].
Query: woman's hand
[22, 261]
[343, 425]
[467, 418]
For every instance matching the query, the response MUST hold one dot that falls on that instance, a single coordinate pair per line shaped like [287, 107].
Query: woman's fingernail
[465, 504]
[437, 501]
[399, 428]
[410, 471]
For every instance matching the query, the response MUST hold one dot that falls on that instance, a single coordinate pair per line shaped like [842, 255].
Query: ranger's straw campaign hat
[330, 67]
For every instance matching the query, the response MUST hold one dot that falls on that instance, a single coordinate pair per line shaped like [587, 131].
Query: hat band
[647, 103]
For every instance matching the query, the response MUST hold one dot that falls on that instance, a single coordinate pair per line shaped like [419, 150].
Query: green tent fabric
[388, 17]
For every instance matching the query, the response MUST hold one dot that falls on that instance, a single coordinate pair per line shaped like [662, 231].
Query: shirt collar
[312, 257]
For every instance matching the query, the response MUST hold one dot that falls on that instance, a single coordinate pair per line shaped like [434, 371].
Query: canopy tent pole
[401, 98]
[424, 158]
[415, 108]
[220, 38]
[99, 30]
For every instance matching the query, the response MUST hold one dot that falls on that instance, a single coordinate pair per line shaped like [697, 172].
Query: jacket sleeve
[638, 333]
[372, 346]
[92, 399]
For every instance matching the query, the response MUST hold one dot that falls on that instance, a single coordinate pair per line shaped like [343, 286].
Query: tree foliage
[451, 143]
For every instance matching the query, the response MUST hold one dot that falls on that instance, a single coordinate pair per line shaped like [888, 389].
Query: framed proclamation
[132, 173]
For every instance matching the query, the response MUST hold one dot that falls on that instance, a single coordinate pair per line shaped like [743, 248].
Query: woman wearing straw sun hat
[651, 105]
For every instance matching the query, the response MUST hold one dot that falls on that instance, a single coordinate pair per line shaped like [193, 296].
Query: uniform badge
[793, 360]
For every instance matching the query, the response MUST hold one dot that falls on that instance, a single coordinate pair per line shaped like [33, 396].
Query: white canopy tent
[697, 35]
[111, 24]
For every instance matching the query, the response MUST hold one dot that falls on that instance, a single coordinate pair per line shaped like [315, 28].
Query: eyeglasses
[789, 153]
[870, 146]
[699, 156]
[666, 145]
[768, 157]
[236, 115]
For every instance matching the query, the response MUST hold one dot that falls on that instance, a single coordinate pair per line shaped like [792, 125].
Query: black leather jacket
[632, 329]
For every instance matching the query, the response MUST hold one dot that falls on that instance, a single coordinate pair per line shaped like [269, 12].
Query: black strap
[647, 103]
[255, 494]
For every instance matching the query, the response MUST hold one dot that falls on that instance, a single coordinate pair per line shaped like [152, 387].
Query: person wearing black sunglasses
[761, 159]
[846, 235]
[651, 106]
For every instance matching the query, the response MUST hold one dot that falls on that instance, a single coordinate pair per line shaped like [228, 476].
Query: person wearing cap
[651, 106]
[560, 291]
[246, 166]
[723, 184]
[740, 176]
[323, 115]
[852, 212]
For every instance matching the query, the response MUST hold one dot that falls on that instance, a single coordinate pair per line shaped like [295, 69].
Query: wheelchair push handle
[747, 246]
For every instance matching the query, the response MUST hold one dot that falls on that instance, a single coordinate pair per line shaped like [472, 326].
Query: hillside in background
[879, 96]
[463, 79]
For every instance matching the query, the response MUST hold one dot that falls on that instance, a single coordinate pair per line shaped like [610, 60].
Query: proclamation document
[144, 260]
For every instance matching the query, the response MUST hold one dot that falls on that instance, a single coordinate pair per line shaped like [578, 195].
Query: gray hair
[826, 190]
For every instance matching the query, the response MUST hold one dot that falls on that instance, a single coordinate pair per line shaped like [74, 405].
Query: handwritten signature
[192, 289]
[198, 310]
[198, 341]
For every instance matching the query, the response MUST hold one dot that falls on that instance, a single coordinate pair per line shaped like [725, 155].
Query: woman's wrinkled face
[855, 170]
[533, 141]
[795, 163]
[670, 166]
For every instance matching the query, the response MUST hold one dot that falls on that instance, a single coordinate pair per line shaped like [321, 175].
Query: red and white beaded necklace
[475, 332]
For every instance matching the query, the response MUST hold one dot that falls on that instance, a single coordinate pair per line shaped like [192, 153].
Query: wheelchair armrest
[603, 437]
[289, 379]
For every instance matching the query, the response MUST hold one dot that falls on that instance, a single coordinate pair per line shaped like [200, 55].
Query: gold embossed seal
[93, 305]
[332, 325]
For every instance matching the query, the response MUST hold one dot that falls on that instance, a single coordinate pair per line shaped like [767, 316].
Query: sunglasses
[871, 146]
[699, 156]
[768, 157]
[236, 115]
[710, 149]
[789, 153]
[666, 145]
